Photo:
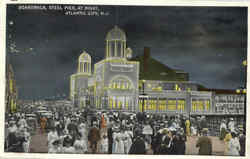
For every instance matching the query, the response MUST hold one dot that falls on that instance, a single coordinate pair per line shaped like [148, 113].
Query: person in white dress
[104, 144]
[234, 145]
[128, 140]
[231, 125]
[26, 144]
[118, 144]
[82, 128]
[22, 122]
[52, 136]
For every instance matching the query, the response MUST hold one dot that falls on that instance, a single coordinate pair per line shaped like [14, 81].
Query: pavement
[218, 146]
[38, 143]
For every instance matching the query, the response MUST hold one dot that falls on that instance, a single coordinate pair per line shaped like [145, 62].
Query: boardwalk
[217, 146]
[38, 143]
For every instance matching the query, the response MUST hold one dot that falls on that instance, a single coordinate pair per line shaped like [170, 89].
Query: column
[90, 68]
[110, 49]
[107, 49]
[115, 48]
[79, 67]
[124, 46]
[122, 50]
[87, 67]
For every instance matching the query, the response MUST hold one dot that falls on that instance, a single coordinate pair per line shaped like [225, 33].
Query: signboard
[143, 96]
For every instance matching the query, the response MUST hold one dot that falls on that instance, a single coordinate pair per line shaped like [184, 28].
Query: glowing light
[11, 22]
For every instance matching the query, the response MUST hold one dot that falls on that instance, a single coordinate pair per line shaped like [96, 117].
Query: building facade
[10, 90]
[121, 83]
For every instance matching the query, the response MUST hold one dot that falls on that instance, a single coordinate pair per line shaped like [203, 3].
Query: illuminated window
[207, 105]
[171, 104]
[114, 103]
[126, 104]
[200, 105]
[110, 103]
[140, 105]
[119, 104]
[118, 85]
[123, 85]
[181, 105]
[194, 106]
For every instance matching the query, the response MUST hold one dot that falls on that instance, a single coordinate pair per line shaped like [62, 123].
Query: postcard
[121, 80]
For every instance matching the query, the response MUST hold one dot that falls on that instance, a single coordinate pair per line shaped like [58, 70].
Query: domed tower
[84, 63]
[116, 43]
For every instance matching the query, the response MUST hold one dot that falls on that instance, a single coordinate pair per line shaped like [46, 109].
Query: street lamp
[244, 91]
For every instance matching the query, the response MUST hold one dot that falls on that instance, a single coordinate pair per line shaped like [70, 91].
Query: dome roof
[116, 34]
[85, 57]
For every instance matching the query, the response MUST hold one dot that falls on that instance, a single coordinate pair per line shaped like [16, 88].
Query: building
[10, 90]
[114, 83]
[142, 84]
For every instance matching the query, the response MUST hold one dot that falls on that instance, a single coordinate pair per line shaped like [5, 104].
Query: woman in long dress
[52, 136]
[128, 140]
[187, 123]
[234, 145]
[118, 144]
[226, 140]
[223, 128]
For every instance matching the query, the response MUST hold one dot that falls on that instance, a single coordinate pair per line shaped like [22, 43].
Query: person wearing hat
[55, 147]
[138, 146]
[226, 140]
[187, 126]
[128, 139]
[104, 144]
[27, 137]
[242, 140]
[94, 137]
[166, 141]
[110, 136]
[223, 128]
[52, 136]
[204, 143]
[80, 145]
[118, 146]
[82, 129]
[43, 124]
[179, 142]
[234, 145]
[67, 145]
[231, 125]
[198, 123]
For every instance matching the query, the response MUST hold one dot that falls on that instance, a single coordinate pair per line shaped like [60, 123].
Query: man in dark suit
[204, 143]
[138, 145]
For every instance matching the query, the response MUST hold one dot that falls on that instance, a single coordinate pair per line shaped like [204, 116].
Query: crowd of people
[234, 138]
[79, 132]
[17, 133]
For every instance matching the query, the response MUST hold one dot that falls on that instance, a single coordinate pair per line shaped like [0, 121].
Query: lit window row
[118, 104]
[120, 85]
[200, 105]
[162, 105]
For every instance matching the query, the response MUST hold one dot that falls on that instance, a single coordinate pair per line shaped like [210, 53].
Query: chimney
[146, 58]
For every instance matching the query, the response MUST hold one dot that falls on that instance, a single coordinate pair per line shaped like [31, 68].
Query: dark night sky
[209, 43]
